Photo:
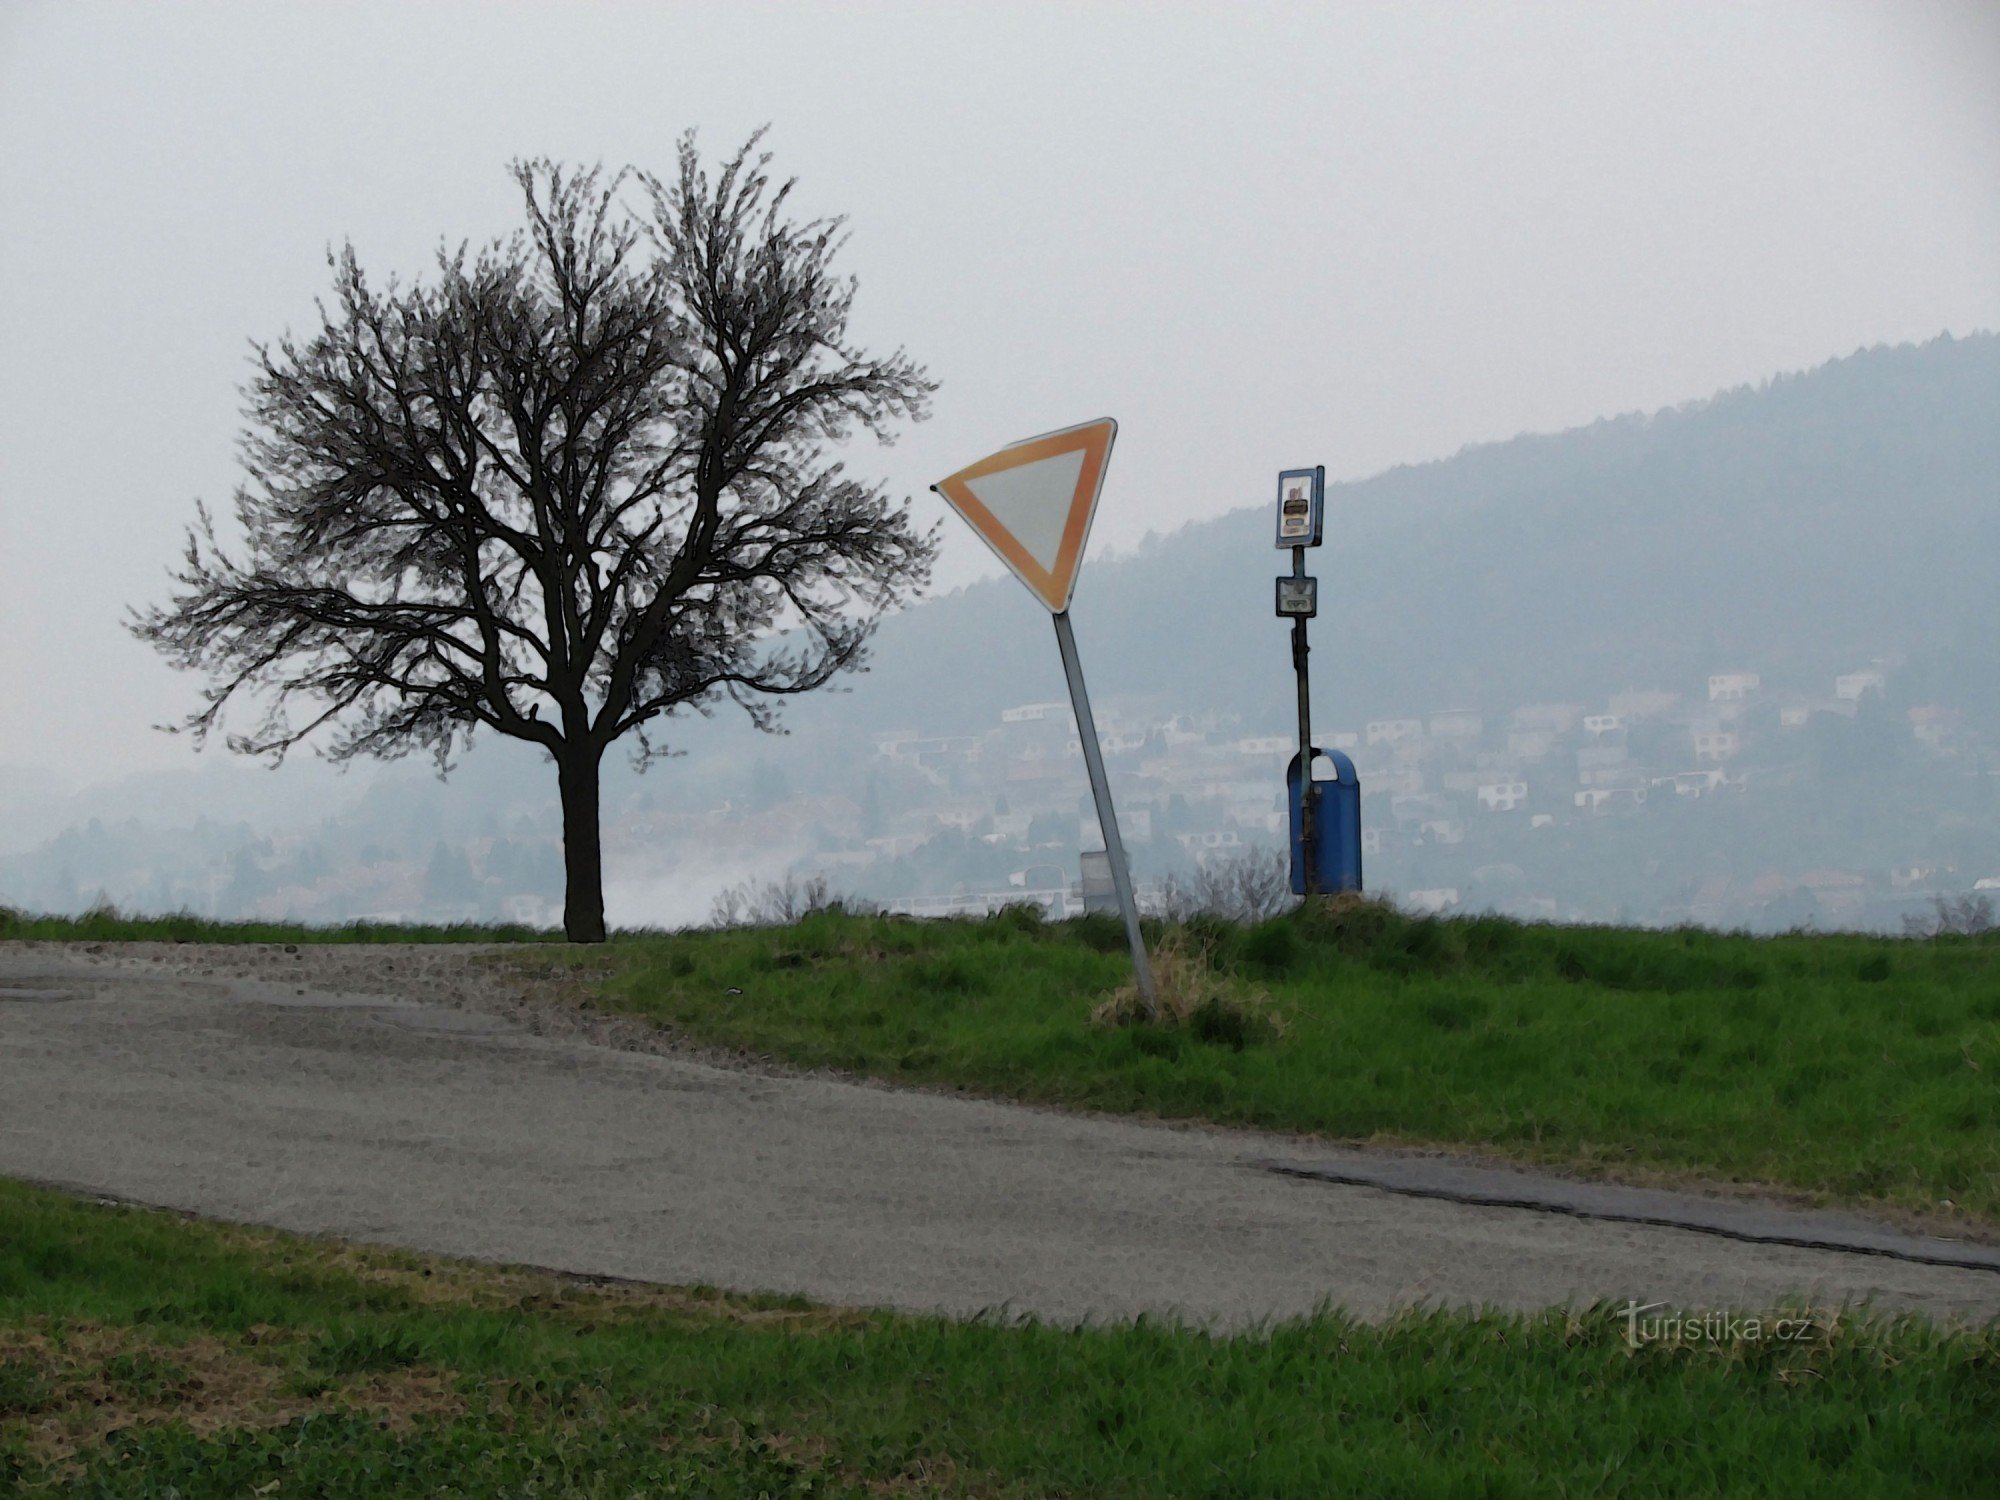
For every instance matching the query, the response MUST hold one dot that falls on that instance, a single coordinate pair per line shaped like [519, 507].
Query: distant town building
[1191, 729]
[1502, 796]
[1109, 741]
[1398, 781]
[1732, 687]
[1932, 724]
[1034, 713]
[1851, 685]
[904, 747]
[1691, 783]
[1604, 798]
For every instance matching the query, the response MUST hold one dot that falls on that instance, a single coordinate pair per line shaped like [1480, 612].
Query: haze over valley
[1730, 663]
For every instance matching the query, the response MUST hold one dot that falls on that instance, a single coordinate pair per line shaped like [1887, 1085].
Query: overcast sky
[1258, 235]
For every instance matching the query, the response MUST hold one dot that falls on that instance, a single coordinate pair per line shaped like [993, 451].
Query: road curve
[411, 1096]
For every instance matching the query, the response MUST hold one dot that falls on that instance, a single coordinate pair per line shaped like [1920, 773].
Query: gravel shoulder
[423, 1096]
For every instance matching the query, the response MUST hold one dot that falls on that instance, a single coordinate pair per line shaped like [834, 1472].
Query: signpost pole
[1308, 843]
[1301, 517]
[1107, 818]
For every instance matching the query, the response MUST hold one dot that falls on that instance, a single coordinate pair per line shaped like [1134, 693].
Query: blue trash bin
[1336, 824]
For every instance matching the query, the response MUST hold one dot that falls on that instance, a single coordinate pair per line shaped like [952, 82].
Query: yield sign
[1032, 502]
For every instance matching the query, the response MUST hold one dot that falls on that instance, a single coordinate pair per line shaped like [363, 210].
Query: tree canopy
[569, 485]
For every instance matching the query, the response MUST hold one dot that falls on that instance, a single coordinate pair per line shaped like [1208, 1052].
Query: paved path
[403, 1096]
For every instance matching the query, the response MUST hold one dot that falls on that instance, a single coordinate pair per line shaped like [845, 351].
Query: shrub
[1249, 887]
[780, 903]
[1021, 916]
[1354, 925]
[1967, 916]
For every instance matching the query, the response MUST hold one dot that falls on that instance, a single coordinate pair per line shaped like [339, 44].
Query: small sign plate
[1297, 597]
[1301, 501]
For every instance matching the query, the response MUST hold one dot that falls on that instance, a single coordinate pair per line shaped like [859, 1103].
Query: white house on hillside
[1732, 687]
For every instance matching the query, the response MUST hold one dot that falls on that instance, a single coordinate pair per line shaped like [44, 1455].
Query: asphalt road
[411, 1096]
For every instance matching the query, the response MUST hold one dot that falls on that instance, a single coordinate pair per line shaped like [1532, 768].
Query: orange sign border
[1053, 586]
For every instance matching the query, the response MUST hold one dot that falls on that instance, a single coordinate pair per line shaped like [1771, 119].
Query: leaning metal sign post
[1032, 503]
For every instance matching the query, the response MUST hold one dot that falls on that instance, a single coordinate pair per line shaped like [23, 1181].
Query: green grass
[1855, 1069]
[106, 925]
[141, 1353]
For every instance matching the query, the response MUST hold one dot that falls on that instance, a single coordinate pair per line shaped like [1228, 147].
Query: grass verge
[107, 925]
[144, 1353]
[1852, 1069]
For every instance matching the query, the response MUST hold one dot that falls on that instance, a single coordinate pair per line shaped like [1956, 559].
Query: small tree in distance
[570, 486]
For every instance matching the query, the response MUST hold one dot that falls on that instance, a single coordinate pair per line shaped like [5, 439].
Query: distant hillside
[1799, 529]
[1801, 526]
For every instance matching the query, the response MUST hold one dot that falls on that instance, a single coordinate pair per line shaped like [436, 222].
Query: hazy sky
[1258, 235]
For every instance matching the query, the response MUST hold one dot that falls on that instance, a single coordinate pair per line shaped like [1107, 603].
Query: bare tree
[569, 486]
[1253, 886]
[780, 903]
[1965, 916]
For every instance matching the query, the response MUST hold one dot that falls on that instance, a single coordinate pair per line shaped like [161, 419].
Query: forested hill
[1800, 527]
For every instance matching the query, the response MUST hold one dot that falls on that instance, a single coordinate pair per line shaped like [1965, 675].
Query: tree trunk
[583, 852]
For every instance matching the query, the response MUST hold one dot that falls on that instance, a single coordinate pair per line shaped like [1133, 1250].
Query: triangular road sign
[1032, 503]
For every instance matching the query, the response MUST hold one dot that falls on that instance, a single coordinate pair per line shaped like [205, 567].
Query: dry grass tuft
[1196, 999]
